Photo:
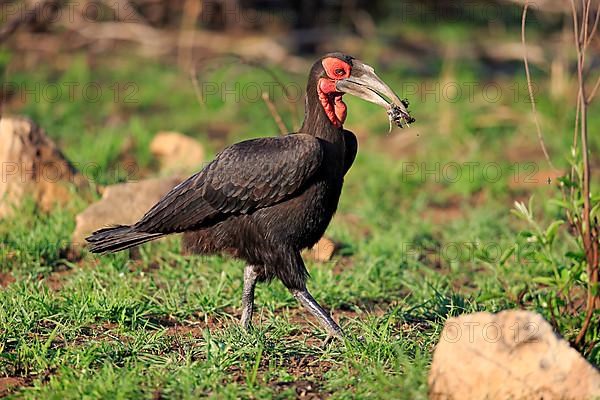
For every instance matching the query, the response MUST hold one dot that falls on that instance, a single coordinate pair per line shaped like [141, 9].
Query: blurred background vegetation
[137, 67]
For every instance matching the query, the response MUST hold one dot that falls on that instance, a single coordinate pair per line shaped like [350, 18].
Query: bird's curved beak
[364, 83]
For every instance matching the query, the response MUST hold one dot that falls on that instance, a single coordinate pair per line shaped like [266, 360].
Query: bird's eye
[339, 71]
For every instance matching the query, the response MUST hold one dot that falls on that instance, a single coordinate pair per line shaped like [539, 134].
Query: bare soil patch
[10, 384]
[307, 371]
[56, 280]
[6, 279]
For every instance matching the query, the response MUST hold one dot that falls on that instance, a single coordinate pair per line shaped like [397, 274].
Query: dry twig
[588, 232]
[580, 220]
[530, 87]
[276, 116]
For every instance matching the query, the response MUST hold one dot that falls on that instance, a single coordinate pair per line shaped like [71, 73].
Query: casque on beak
[364, 83]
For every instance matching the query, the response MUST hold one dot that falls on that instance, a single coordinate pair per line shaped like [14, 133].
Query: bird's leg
[304, 297]
[250, 278]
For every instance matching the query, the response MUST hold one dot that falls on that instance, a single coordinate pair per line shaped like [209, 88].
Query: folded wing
[243, 178]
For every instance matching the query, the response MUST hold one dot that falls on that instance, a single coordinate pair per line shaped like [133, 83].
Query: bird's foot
[246, 320]
[306, 299]
[330, 339]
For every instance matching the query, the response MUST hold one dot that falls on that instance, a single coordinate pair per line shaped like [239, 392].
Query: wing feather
[243, 178]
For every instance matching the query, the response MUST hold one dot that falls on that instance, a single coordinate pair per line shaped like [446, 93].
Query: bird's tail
[117, 238]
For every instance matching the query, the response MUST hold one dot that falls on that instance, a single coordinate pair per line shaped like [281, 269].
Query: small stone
[177, 152]
[32, 165]
[322, 251]
[121, 204]
[510, 355]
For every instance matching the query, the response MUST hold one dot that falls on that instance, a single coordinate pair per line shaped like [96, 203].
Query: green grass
[166, 325]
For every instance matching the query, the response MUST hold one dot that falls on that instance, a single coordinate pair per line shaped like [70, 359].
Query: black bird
[266, 199]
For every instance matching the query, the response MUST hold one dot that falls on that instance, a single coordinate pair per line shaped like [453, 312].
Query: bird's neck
[317, 122]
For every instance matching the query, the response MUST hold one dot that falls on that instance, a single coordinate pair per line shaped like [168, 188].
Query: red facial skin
[330, 98]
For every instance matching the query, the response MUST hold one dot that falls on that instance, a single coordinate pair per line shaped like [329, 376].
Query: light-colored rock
[322, 251]
[177, 152]
[124, 203]
[510, 355]
[31, 164]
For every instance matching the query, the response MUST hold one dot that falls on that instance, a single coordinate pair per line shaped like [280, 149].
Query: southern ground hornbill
[264, 200]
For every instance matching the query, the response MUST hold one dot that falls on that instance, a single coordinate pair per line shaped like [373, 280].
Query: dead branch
[276, 116]
[579, 219]
[191, 12]
[595, 88]
[530, 88]
[588, 232]
[197, 89]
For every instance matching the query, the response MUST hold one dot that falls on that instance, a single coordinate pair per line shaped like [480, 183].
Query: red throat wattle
[332, 103]
[329, 96]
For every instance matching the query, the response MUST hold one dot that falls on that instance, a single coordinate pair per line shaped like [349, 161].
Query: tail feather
[117, 238]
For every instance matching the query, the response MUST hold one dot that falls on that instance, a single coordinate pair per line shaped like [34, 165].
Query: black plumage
[261, 200]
